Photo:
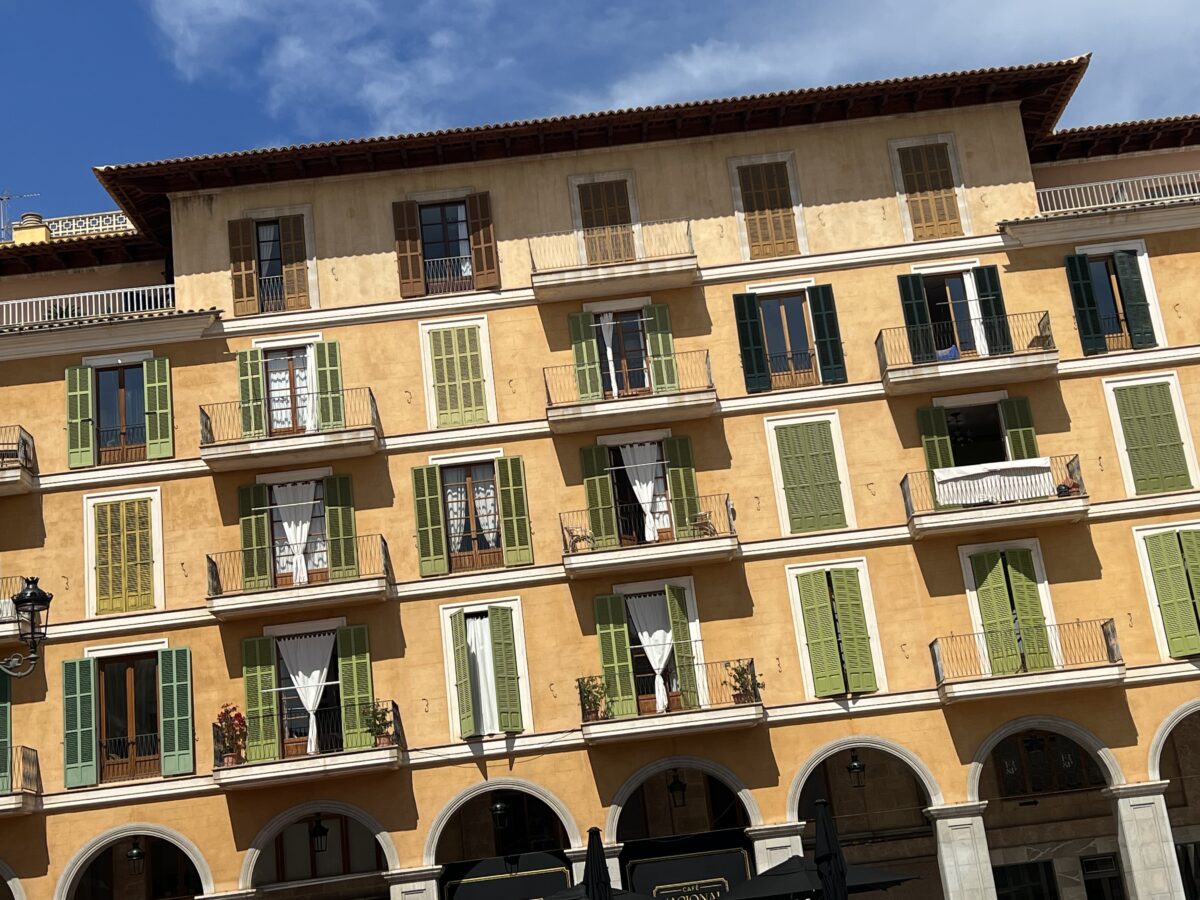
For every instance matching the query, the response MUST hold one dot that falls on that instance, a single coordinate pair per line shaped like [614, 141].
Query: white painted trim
[1129, 360]
[800, 398]
[470, 434]
[505, 747]
[310, 241]
[633, 437]
[1159, 741]
[739, 209]
[983, 398]
[1140, 533]
[90, 501]
[316, 474]
[839, 453]
[1171, 379]
[1138, 246]
[460, 459]
[128, 358]
[852, 742]
[9, 877]
[689, 587]
[313, 625]
[128, 623]
[946, 267]
[846, 707]
[896, 144]
[65, 888]
[286, 341]
[424, 328]
[625, 304]
[104, 476]
[107, 651]
[794, 286]
[481, 582]
[635, 214]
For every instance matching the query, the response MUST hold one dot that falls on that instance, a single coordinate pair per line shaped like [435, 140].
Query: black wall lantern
[499, 811]
[319, 835]
[677, 789]
[135, 858]
[32, 608]
[857, 770]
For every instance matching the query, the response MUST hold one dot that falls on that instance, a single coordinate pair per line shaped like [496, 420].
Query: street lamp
[499, 811]
[678, 790]
[857, 770]
[32, 608]
[135, 856]
[319, 835]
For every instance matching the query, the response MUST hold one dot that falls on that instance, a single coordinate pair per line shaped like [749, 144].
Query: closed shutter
[812, 487]
[1027, 601]
[767, 208]
[681, 486]
[1133, 299]
[176, 741]
[431, 534]
[1152, 441]
[598, 488]
[79, 723]
[681, 639]
[995, 610]
[124, 557]
[1083, 298]
[1018, 426]
[243, 266]
[935, 437]
[852, 630]
[110, 574]
[1177, 601]
[514, 511]
[827, 336]
[820, 634]
[462, 676]
[1189, 541]
[81, 418]
[160, 426]
[1164, 431]
[255, 528]
[6, 784]
[929, 191]
[586, 350]
[341, 537]
[916, 319]
[607, 222]
[262, 710]
[750, 338]
[485, 260]
[331, 402]
[504, 665]
[354, 683]
[458, 386]
[664, 373]
[991, 308]
[406, 219]
[294, 256]
[251, 393]
[616, 665]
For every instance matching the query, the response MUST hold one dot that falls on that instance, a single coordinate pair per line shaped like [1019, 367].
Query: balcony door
[121, 414]
[472, 517]
[289, 391]
[270, 266]
[786, 339]
[624, 358]
[446, 248]
[653, 647]
[310, 700]
[607, 221]
[639, 476]
[955, 316]
[129, 732]
[298, 532]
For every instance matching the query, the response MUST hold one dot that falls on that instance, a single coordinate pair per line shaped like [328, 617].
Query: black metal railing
[943, 342]
[288, 415]
[625, 524]
[1016, 651]
[118, 445]
[284, 733]
[23, 775]
[449, 275]
[794, 369]
[125, 758]
[10, 585]
[1014, 481]
[16, 448]
[270, 294]
[706, 685]
[276, 566]
[690, 370]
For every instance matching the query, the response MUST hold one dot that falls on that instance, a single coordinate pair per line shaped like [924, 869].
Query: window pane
[797, 331]
[145, 694]
[135, 405]
[771, 312]
[1106, 301]
[116, 705]
[269, 259]
[296, 852]
[108, 408]
[330, 862]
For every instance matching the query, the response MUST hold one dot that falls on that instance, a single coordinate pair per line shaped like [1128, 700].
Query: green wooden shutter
[354, 683]
[462, 676]
[660, 345]
[1018, 425]
[820, 634]
[504, 666]
[852, 630]
[255, 524]
[6, 773]
[262, 705]
[1152, 441]
[1022, 581]
[1083, 298]
[110, 577]
[1168, 442]
[681, 638]
[1133, 298]
[995, 609]
[598, 487]
[176, 742]
[935, 437]
[81, 418]
[340, 535]
[681, 486]
[1176, 600]
[251, 393]
[458, 384]
[811, 485]
[991, 308]
[160, 425]
[79, 723]
[331, 402]
[514, 511]
[750, 338]
[916, 318]
[586, 349]
[615, 662]
[827, 336]
[431, 533]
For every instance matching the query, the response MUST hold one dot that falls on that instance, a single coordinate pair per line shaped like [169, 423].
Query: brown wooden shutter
[607, 221]
[929, 191]
[484, 259]
[295, 262]
[243, 266]
[767, 207]
[406, 216]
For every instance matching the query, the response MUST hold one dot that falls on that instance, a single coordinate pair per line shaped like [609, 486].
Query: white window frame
[108, 651]
[310, 241]
[1140, 533]
[1171, 379]
[635, 214]
[896, 145]
[859, 564]
[771, 423]
[465, 459]
[309, 627]
[689, 587]
[739, 207]
[128, 358]
[307, 341]
[625, 304]
[90, 501]
[633, 437]
[1138, 246]
[424, 328]
[477, 606]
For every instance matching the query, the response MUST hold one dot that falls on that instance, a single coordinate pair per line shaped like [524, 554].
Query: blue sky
[107, 82]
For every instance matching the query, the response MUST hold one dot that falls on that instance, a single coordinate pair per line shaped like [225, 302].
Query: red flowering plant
[232, 726]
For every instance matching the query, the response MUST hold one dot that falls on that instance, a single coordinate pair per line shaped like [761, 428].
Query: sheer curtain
[653, 624]
[307, 660]
[641, 461]
[279, 390]
[485, 510]
[483, 677]
[305, 416]
[456, 510]
[606, 328]
[295, 509]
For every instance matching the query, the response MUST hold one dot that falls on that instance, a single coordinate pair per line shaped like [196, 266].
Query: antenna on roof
[5, 221]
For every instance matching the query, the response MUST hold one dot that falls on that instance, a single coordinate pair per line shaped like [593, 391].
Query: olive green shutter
[1018, 426]
[681, 485]
[262, 710]
[1152, 440]
[991, 309]
[79, 723]
[681, 638]
[160, 426]
[1189, 541]
[256, 537]
[827, 336]
[750, 338]
[1177, 602]
[124, 558]
[331, 402]
[660, 345]
[598, 487]
[458, 385]
[354, 683]
[251, 393]
[341, 537]
[916, 318]
[1022, 581]
[995, 610]
[504, 667]
[110, 570]
[586, 349]
[615, 661]
[1083, 298]
[431, 533]
[462, 675]
[1133, 299]
[176, 742]
[811, 485]
[6, 784]
[935, 437]
[820, 634]
[81, 416]
[514, 511]
[852, 630]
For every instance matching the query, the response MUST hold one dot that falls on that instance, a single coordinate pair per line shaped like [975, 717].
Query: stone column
[775, 843]
[963, 858]
[1148, 861]
[413, 884]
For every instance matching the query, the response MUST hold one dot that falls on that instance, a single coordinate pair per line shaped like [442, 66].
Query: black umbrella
[831, 865]
[595, 884]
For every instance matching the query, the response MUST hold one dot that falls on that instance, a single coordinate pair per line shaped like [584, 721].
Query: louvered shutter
[458, 384]
[586, 349]
[354, 683]
[341, 537]
[681, 639]
[176, 742]
[504, 666]
[616, 664]
[995, 610]
[929, 191]
[1018, 427]
[1133, 299]
[255, 528]
[462, 676]
[1168, 443]
[294, 256]
[514, 511]
[750, 338]
[1083, 298]
[331, 402]
[991, 309]
[251, 393]
[811, 485]
[916, 319]
[81, 418]
[243, 266]
[139, 550]
[406, 219]
[1177, 600]
[431, 534]
[827, 336]
[681, 486]
[484, 258]
[124, 558]
[1035, 638]
[820, 634]
[160, 426]
[607, 222]
[767, 209]
[79, 723]
[598, 488]
[1152, 441]
[6, 781]
[935, 437]
[660, 345]
[852, 630]
[110, 570]
[262, 709]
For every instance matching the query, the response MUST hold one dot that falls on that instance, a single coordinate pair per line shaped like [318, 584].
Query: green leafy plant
[232, 726]
[743, 681]
[378, 720]
[593, 698]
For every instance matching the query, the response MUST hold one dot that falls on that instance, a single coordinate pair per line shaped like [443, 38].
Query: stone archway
[103, 842]
[1175, 760]
[11, 881]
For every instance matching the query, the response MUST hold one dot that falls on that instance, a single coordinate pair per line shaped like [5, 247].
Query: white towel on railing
[307, 660]
[998, 482]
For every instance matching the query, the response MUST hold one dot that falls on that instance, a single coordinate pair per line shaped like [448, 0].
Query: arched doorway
[139, 865]
[327, 845]
[1179, 765]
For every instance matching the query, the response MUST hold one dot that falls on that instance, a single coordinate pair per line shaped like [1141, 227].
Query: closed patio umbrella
[595, 884]
[831, 864]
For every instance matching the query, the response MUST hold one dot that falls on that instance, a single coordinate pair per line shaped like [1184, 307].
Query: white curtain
[279, 390]
[483, 677]
[456, 509]
[307, 661]
[641, 461]
[653, 624]
[485, 510]
[295, 510]
[606, 328]
[305, 381]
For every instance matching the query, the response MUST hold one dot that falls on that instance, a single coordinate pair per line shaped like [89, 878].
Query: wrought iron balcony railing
[692, 686]
[945, 342]
[284, 733]
[629, 524]
[449, 275]
[1017, 651]
[278, 566]
[1137, 191]
[674, 374]
[611, 245]
[87, 306]
[16, 448]
[288, 415]
[21, 774]
[1014, 481]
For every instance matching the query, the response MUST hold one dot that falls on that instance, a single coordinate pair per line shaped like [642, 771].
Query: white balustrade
[89, 223]
[611, 245]
[89, 305]
[1137, 191]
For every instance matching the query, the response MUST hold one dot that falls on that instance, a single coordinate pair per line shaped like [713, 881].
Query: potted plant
[592, 697]
[743, 681]
[231, 727]
[379, 723]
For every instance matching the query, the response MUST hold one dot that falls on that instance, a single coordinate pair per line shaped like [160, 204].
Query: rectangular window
[836, 635]
[1026, 881]
[1111, 296]
[301, 733]
[640, 471]
[129, 728]
[930, 191]
[810, 476]
[459, 391]
[785, 335]
[1010, 607]
[770, 218]
[124, 556]
[607, 221]
[121, 414]
[298, 532]
[268, 264]
[1102, 877]
[789, 340]
[446, 247]
[622, 345]
[289, 392]
[472, 517]
[1154, 446]
[486, 671]
[269, 254]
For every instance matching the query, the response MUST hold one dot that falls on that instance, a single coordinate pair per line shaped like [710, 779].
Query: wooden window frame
[1137, 246]
[126, 451]
[475, 560]
[89, 544]
[1171, 379]
[894, 147]
[485, 350]
[839, 453]
[154, 761]
[635, 215]
[305, 210]
[739, 209]
[308, 821]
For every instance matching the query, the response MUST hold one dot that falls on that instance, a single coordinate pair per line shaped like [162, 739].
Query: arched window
[319, 846]
[1042, 762]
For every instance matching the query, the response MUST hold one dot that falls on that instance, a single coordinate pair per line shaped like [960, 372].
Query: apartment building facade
[413, 504]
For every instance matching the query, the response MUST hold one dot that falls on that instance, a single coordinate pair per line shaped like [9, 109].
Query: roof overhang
[78, 253]
[1113, 140]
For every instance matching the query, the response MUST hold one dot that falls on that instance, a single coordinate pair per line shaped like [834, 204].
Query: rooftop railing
[313, 563]
[1046, 478]
[89, 223]
[944, 342]
[630, 524]
[674, 374]
[611, 245]
[1020, 650]
[287, 415]
[64, 308]
[691, 686]
[1136, 191]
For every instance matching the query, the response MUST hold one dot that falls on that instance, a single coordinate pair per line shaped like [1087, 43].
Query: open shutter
[431, 534]
[484, 258]
[664, 373]
[331, 402]
[750, 339]
[251, 393]
[6, 773]
[598, 488]
[916, 318]
[1176, 600]
[81, 418]
[176, 740]
[79, 723]
[1083, 298]
[256, 537]
[514, 511]
[294, 256]
[935, 437]
[681, 486]
[991, 309]
[995, 610]
[820, 634]
[262, 709]
[406, 218]
[1133, 298]
[852, 629]
[586, 350]
[1018, 426]
[1152, 440]
[462, 676]
[812, 487]
[354, 682]
[160, 427]
[504, 665]
[615, 662]
[827, 336]
[1189, 542]
[243, 266]
[341, 537]
[681, 638]
[1022, 581]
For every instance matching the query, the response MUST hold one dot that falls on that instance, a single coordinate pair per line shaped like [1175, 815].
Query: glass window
[129, 718]
[287, 514]
[121, 414]
[472, 516]
[270, 258]
[444, 231]
[289, 391]
[1102, 878]
[634, 524]
[785, 334]
[976, 434]
[1026, 881]
[1039, 762]
[295, 720]
[949, 311]
[622, 338]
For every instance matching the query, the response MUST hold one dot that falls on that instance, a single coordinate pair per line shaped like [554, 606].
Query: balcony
[1144, 190]
[613, 260]
[292, 429]
[1023, 492]
[1066, 656]
[969, 353]
[449, 275]
[348, 740]
[636, 399]
[616, 538]
[21, 785]
[272, 580]
[719, 696]
[10, 585]
[18, 464]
